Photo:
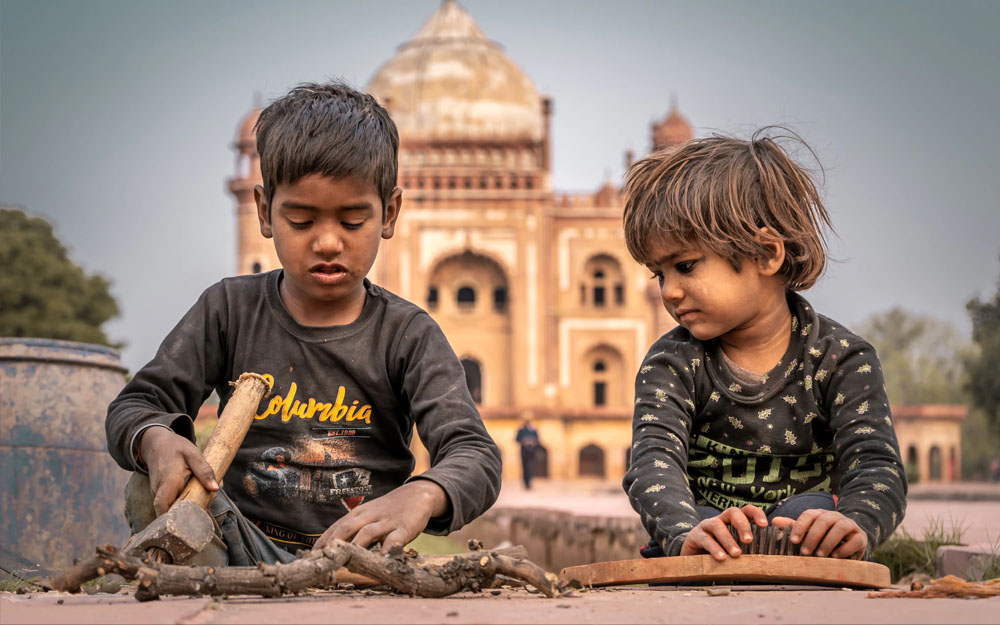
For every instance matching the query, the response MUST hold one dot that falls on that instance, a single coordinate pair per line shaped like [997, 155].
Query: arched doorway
[935, 464]
[473, 378]
[469, 296]
[541, 461]
[912, 466]
[592, 461]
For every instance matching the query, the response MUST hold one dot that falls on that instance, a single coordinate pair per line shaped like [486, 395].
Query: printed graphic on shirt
[723, 476]
[318, 465]
[287, 406]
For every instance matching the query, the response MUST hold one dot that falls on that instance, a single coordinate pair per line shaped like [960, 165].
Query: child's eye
[685, 267]
[299, 225]
[658, 277]
[352, 226]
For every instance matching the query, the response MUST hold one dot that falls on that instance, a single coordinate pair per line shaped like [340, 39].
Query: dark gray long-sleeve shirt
[336, 428]
[819, 421]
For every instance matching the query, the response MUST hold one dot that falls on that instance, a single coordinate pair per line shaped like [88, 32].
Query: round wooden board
[746, 568]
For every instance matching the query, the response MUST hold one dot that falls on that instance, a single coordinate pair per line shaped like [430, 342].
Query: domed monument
[533, 288]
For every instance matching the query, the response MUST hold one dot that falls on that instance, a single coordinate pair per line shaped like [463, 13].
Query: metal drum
[61, 494]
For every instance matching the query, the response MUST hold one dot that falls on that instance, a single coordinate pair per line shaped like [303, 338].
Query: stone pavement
[744, 604]
[624, 605]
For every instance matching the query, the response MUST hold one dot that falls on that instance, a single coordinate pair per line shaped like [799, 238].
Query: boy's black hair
[328, 129]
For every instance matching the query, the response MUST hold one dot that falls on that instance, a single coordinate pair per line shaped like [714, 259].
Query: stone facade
[930, 439]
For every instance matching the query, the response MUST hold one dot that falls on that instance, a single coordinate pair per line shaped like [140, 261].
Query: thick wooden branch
[432, 578]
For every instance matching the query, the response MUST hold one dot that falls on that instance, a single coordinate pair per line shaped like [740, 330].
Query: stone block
[966, 561]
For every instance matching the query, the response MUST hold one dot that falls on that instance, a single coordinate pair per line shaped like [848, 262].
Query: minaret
[673, 130]
[254, 253]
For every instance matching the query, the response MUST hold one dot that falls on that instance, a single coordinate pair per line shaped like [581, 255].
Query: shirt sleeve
[173, 385]
[465, 461]
[656, 481]
[872, 482]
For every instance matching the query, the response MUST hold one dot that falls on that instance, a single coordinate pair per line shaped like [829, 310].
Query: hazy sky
[117, 118]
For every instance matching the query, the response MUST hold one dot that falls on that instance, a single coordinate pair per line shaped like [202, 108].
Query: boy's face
[703, 292]
[326, 233]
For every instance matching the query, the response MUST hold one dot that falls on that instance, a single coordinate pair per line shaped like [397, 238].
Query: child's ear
[774, 253]
[391, 213]
[263, 212]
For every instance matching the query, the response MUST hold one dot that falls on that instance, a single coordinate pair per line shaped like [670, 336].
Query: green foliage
[923, 359]
[980, 445]
[984, 383]
[904, 554]
[428, 544]
[42, 292]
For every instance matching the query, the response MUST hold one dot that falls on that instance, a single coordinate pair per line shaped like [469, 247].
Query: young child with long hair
[755, 409]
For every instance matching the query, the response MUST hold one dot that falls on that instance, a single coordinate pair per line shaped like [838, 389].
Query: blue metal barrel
[61, 494]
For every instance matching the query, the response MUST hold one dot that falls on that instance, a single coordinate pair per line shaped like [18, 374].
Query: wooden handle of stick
[228, 434]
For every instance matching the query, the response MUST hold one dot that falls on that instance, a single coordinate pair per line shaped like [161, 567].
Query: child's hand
[395, 518]
[820, 531]
[713, 536]
[171, 458]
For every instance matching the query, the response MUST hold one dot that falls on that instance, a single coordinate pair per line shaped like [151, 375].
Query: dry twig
[947, 586]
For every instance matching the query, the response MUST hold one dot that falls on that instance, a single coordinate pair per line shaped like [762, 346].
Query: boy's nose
[327, 242]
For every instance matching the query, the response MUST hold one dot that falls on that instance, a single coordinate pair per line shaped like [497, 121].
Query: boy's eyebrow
[363, 206]
[669, 257]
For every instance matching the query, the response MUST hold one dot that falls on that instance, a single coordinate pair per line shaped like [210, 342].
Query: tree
[923, 358]
[42, 292]
[984, 383]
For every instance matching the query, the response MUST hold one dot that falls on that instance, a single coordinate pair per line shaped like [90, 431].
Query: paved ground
[627, 605]
[979, 514]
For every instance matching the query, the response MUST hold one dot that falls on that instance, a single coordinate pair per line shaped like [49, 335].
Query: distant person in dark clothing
[527, 438]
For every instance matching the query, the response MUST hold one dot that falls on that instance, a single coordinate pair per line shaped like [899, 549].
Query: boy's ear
[263, 211]
[391, 213]
[774, 253]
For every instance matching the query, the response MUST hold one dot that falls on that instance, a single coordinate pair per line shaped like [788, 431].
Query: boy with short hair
[353, 367]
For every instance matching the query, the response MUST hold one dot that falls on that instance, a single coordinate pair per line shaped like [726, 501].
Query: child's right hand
[171, 459]
[712, 535]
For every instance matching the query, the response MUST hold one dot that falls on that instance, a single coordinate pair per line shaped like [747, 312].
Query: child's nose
[328, 242]
[671, 291]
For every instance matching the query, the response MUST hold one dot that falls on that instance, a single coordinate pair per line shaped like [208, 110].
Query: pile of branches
[402, 570]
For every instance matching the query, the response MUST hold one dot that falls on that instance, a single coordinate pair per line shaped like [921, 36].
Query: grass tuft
[905, 555]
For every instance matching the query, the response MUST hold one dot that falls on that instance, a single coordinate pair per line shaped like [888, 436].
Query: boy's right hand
[712, 535]
[171, 460]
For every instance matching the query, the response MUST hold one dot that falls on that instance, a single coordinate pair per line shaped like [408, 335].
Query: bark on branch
[411, 575]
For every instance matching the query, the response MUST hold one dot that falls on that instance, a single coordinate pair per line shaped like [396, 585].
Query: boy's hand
[395, 518]
[712, 535]
[819, 532]
[171, 459]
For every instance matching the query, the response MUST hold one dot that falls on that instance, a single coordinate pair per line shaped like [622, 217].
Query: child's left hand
[395, 518]
[818, 532]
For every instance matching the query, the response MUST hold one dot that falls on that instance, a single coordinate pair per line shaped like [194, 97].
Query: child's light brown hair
[719, 193]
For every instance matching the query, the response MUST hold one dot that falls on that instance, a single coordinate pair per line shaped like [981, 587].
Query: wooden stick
[345, 576]
[228, 435]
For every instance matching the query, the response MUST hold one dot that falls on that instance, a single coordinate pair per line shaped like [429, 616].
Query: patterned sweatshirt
[818, 421]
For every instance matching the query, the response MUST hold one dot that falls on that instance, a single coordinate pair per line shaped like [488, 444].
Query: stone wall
[555, 539]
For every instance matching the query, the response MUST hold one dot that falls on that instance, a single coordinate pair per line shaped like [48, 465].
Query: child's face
[703, 292]
[326, 234]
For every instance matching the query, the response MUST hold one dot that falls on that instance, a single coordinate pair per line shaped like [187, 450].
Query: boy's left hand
[395, 518]
[819, 532]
